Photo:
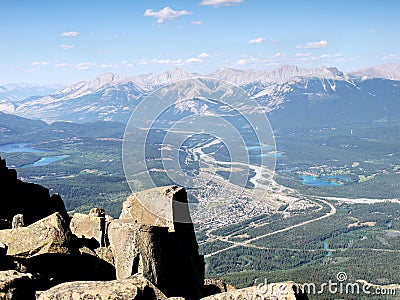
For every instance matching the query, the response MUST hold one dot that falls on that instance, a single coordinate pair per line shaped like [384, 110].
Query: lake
[25, 148]
[46, 161]
[333, 180]
[19, 147]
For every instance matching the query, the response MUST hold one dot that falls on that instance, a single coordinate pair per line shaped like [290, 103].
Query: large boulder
[49, 235]
[136, 287]
[89, 227]
[139, 248]
[30, 200]
[163, 206]
[16, 286]
[214, 286]
[175, 265]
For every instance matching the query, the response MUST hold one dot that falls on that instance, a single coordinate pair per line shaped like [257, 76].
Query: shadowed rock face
[166, 252]
[16, 285]
[31, 200]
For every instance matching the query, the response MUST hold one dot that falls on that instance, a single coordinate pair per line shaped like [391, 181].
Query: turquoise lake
[25, 148]
[19, 147]
[334, 180]
[46, 161]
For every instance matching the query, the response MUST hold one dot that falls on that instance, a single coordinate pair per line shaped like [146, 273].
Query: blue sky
[47, 41]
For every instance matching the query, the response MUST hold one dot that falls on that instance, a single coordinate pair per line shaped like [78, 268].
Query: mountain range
[292, 95]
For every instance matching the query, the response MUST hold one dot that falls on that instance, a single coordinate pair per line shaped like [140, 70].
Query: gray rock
[49, 235]
[89, 227]
[97, 212]
[106, 254]
[136, 287]
[16, 286]
[169, 255]
[139, 249]
[17, 221]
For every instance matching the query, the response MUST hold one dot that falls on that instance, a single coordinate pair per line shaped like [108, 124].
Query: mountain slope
[310, 93]
[387, 71]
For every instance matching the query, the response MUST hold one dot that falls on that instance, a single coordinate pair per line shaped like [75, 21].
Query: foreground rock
[20, 198]
[49, 235]
[165, 251]
[16, 286]
[139, 248]
[273, 291]
[214, 286]
[136, 287]
[89, 227]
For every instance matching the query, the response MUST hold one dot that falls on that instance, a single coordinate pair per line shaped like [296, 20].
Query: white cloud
[62, 65]
[106, 66]
[203, 55]
[279, 54]
[217, 3]
[193, 60]
[313, 45]
[41, 63]
[257, 40]
[391, 56]
[372, 30]
[70, 33]
[302, 54]
[197, 23]
[246, 60]
[166, 13]
[66, 47]
[85, 66]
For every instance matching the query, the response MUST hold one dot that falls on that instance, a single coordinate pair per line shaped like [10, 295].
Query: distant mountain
[279, 75]
[13, 94]
[387, 71]
[289, 93]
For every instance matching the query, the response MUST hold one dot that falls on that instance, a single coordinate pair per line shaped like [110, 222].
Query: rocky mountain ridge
[112, 97]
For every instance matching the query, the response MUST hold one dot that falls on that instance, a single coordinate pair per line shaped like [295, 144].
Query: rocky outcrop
[214, 286]
[49, 235]
[171, 253]
[89, 227]
[139, 248]
[164, 206]
[16, 286]
[136, 287]
[30, 200]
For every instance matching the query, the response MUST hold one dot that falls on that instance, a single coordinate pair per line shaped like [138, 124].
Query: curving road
[235, 245]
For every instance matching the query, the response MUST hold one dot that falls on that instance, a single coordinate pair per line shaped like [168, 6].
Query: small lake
[334, 180]
[19, 147]
[260, 151]
[25, 148]
[46, 161]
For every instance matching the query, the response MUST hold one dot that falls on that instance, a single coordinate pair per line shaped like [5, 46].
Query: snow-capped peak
[387, 71]
[86, 87]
